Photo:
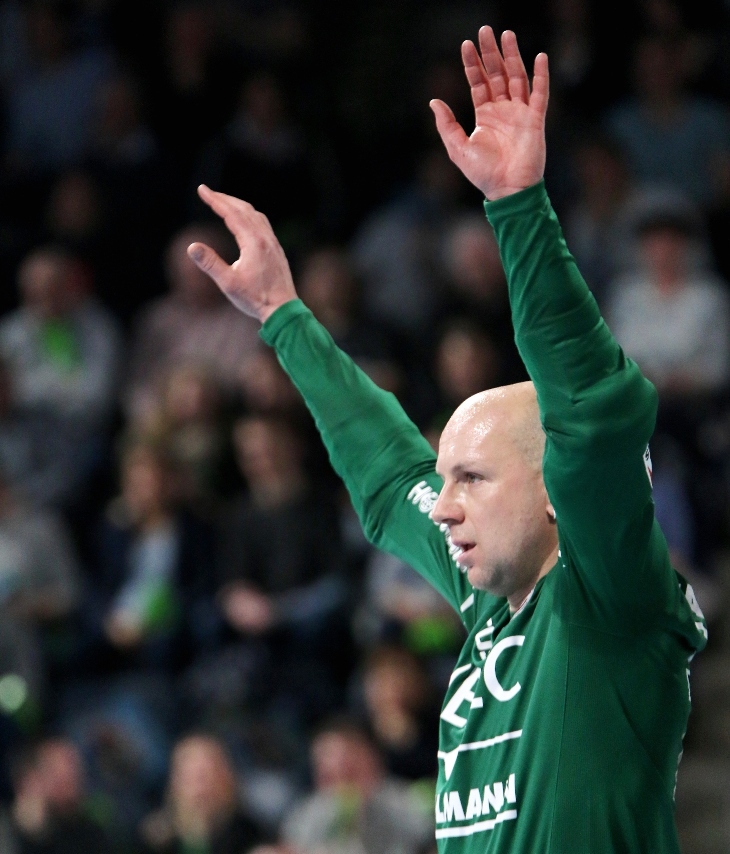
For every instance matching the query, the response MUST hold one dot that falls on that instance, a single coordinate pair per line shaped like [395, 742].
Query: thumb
[210, 262]
[451, 132]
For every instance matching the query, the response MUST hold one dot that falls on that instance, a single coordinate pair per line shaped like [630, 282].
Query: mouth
[466, 550]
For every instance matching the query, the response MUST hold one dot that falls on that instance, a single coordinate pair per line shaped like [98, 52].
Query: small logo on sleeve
[647, 465]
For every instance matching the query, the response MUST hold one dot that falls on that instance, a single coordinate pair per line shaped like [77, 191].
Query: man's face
[494, 501]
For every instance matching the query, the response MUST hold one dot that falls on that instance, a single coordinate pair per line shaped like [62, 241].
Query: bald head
[493, 499]
[511, 410]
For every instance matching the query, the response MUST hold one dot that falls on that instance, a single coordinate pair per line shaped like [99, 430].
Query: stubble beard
[499, 579]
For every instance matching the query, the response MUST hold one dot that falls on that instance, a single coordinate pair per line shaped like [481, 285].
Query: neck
[517, 599]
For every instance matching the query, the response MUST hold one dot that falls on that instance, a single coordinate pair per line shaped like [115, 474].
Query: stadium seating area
[199, 651]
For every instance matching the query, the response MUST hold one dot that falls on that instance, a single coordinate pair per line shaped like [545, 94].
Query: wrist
[502, 192]
[267, 310]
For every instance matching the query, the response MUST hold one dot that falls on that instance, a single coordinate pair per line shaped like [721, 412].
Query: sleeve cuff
[526, 201]
[283, 315]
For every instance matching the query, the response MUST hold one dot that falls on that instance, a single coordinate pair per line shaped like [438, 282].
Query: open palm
[506, 151]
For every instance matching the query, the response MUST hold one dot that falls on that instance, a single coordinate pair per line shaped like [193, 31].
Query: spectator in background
[670, 135]
[285, 583]
[673, 316]
[39, 460]
[467, 360]
[394, 248]
[192, 325]
[203, 811]
[264, 388]
[192, 423]
[475, 287]
[598, 221]
[40, 593]
[356, 806]
[474, 276]
[398, 605]
[190, 94]
[151, 603]
[574, 49]
[401, 711]
[264, 156]
[127, 165]
[50, 106]
[49, 812]
[39, 571]
[76, 217]
[329, 288]
[61, 346]
[62, 350]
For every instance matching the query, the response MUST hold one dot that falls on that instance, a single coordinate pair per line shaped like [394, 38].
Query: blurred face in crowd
[188, 35]
[121, 110]
[146, 484]
[602, 172]
[466, 362]
[473, 262]
[327, 286]
[60, 769]
[394, 681]
[664, 251]
[267, 450]
[47, 33]
[74, 208]
[345, 761]
[49, 284]
[493, 498]
[202, 780]
[264, 384]
[660, 69]
[262, 102]
[190, 396]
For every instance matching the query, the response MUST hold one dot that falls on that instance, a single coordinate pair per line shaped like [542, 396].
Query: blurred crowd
[199, 651]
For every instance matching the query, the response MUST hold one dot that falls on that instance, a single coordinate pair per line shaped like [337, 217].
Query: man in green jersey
[562, 727]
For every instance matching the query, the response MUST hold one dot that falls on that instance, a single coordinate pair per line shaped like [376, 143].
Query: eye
[470, 477]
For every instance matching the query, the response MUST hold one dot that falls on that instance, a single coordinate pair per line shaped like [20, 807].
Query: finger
[221, 203]
[451, 132]
[519, 84]
[210, 262]
[493, 64]
[540, 85]
[475, 75]
[237, 214]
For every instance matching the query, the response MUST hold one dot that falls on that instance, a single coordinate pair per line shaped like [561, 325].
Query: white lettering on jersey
[483, 640]
[490, 675]
[450, 756]
[467, 603]
[696, 610]
[474, 807]
[424, 497]
[463, 694]
[449, 807]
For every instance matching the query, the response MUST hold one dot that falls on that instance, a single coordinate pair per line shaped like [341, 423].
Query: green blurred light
[13, 693]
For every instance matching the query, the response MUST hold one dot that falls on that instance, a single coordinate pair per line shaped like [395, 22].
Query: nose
[446, 509]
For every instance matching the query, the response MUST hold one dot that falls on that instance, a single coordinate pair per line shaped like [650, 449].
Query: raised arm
[596, 408]
[387, 466]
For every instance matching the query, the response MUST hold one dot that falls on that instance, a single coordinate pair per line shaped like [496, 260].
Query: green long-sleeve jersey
[562, 726]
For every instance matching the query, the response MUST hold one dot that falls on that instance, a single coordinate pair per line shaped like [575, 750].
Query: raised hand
[260, 280]
[506, 151]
